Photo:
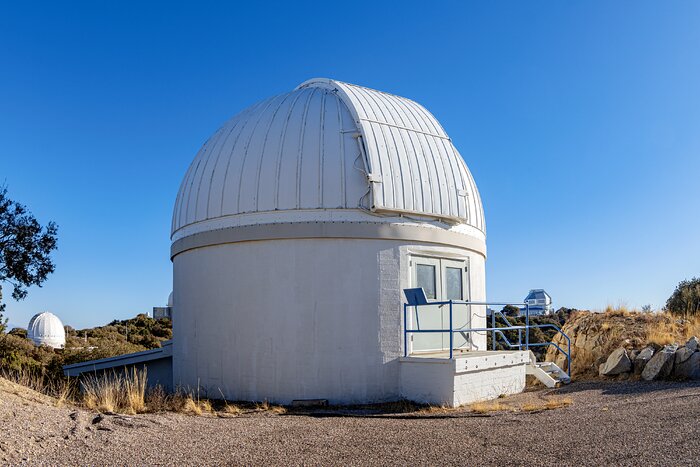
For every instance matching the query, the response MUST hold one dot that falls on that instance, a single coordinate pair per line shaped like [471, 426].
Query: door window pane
[425, 277]
[453, 283]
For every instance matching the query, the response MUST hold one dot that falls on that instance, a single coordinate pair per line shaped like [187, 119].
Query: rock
[98, 419]
[690, 368]
[660, 365]
[618, 362]
[633, 354]
[682, 355]
[693, 344]
[642, 359]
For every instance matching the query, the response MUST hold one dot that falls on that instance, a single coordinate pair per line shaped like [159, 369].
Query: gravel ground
[620, 423]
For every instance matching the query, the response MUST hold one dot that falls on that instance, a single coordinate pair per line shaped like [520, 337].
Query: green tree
[25, 250]
[685, 300]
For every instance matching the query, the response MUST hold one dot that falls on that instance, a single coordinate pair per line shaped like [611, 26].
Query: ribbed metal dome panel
[293, 151]
[415, 165]
[329, 145]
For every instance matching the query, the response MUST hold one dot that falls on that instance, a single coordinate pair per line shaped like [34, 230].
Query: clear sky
[579, 120]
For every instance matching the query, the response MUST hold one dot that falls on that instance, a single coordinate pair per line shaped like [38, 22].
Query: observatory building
[295, 230]
[46, 329]
[329, 244]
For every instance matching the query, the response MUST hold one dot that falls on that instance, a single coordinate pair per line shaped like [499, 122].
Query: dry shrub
[265, 406]
[134, 390]
[205, 406]
[116, 392]
[157, 400]
[101, 393]
[232, 409]
[188, 406]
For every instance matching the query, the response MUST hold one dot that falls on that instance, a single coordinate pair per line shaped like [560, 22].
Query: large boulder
[693, 344]
[618, 362]
[689, 368]
[682, 354]
[642, 358]
[661, 364]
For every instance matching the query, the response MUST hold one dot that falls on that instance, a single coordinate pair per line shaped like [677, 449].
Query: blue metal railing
[495, 331]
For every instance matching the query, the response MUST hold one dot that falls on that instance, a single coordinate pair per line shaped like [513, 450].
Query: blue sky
[580, 122]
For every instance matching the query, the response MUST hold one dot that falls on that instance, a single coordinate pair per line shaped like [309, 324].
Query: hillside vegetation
[19, 354]
[595, 335]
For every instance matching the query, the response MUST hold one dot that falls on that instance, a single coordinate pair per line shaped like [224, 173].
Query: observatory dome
[295, 231]
[321, 151]
[46, 329]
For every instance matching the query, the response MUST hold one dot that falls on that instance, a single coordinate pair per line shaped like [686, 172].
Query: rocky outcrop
[618, 362]
[660, 365]
[672, 361]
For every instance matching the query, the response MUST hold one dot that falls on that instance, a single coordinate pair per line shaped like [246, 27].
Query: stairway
[547, 372]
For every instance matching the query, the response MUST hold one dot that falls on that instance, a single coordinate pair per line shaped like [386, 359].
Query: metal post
[527, 326]
[493, 328]
[451, 333]
[405, 331]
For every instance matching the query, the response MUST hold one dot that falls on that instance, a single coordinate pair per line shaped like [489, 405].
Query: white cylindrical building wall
[293, 319]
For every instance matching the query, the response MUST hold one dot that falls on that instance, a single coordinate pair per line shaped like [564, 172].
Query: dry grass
[550, 404]
[62, 390]
[116, 392]
[516, 406]
[267, 407]
[673, 330]
[491, 406]
[188, 406]
[595, 335]
[232, 409]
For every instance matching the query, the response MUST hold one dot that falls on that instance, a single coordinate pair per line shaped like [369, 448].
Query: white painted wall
[296, 319]
[463, 380]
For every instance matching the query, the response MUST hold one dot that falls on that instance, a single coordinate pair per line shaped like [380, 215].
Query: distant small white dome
[46, 329]
[170, 300]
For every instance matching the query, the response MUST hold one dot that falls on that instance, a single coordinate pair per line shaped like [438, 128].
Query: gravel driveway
[618, 423]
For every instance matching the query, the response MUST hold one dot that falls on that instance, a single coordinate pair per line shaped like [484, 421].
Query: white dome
[46, 329]
[170, 300]
[324, 149]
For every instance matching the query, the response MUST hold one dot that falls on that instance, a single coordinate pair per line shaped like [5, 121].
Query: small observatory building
[294, 232]
[46, 329]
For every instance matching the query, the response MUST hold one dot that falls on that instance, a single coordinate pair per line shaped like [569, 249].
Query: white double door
[441, 279]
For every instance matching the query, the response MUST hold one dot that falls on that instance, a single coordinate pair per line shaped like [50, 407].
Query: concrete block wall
[462, 380]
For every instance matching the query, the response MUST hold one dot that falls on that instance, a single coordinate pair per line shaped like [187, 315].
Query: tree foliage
[25, 249]
[685, 300]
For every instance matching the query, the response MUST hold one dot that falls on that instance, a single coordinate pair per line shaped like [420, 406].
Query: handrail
[495, 331]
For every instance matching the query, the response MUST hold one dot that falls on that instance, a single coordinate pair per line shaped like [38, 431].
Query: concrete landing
[471, 376]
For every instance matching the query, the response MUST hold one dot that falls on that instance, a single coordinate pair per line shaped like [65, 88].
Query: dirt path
[607, 423]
